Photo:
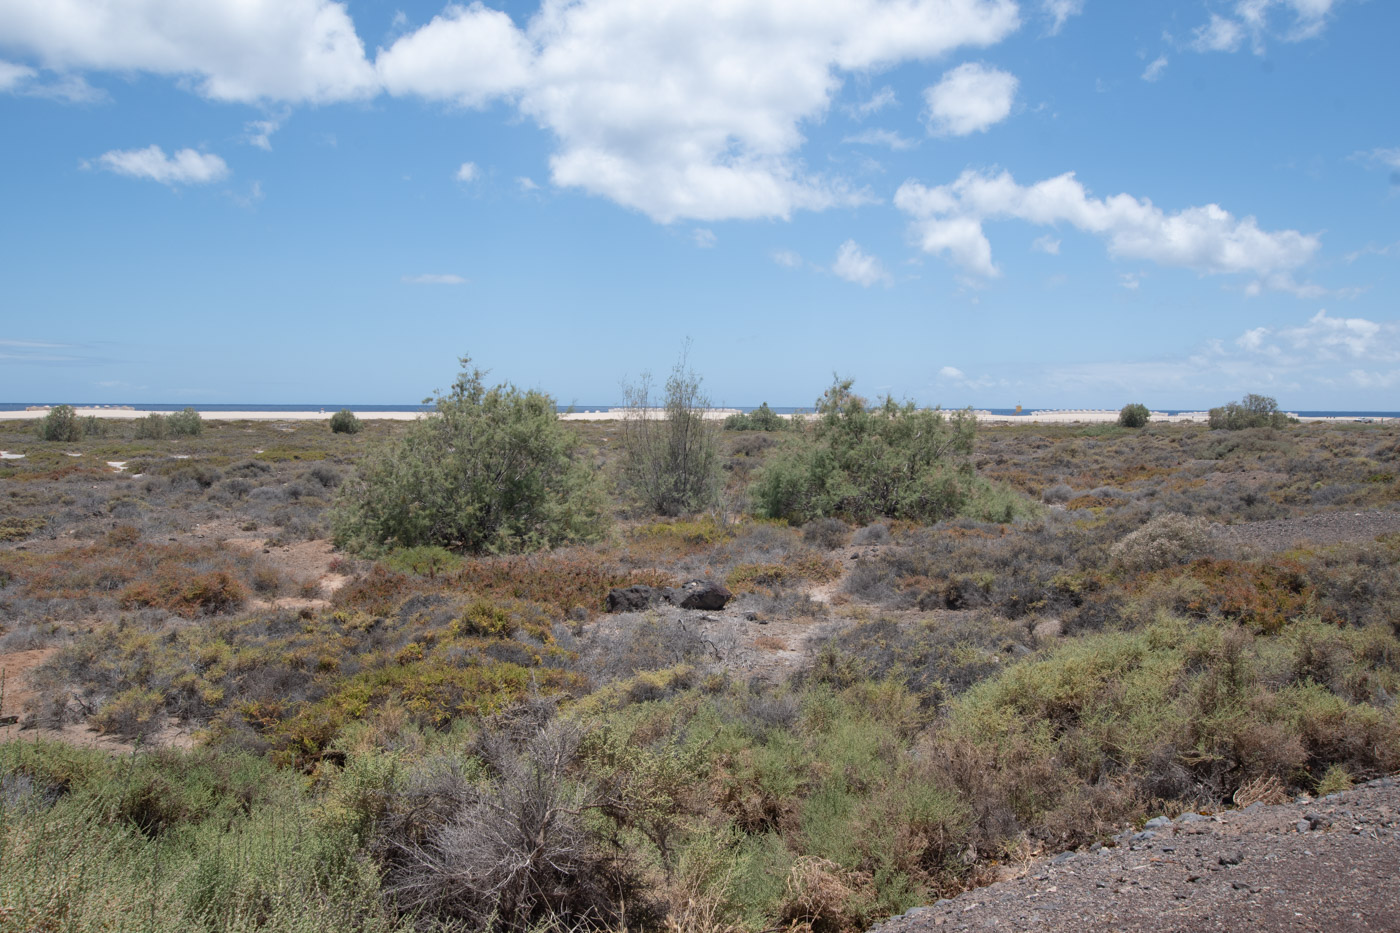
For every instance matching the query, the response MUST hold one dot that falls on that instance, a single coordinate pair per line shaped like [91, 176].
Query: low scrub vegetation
[761, 418]
[947, 648]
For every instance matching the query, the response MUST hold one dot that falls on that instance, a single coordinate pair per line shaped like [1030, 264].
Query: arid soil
[1311, 865]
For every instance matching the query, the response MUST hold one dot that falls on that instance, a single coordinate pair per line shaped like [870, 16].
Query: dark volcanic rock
[634, 598]
[699, 594]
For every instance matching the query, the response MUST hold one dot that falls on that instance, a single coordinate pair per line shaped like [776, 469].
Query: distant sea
[198, 406]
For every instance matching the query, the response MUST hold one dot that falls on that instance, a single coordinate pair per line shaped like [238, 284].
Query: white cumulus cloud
[184, 167]
[468, 55]
[951, 372]
[948, 220]
[467, 171]
[686, 109]
[970, 99]
[854, 265]
[239, 50]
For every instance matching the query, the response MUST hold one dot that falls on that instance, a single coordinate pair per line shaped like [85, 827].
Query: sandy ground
[1057, 416]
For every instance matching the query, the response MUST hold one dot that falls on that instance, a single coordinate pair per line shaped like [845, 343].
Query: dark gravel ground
[1324, 528]
[1330, 865]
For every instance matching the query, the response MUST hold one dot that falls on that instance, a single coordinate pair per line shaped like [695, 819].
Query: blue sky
[1056, 203]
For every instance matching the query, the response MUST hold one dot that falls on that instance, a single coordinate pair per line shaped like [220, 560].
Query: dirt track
[1322, 865]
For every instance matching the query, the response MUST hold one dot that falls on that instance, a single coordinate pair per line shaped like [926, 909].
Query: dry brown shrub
[1264, 789]
[823, 897]
[770, 643]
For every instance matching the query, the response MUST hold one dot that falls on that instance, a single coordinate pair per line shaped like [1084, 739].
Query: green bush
[1134, 415]
[671, 464]
[1253, 411]
[345, 422]
[154, 426]
[61, 424]
[491, 470]
[862, 463]
[761, 418]
[185, 423]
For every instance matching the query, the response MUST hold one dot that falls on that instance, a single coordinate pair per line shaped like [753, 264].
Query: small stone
[1062, 858]
[1302, 826]
[1231, 857]
[1192, 818]
[1144, 836]
[1158, 822]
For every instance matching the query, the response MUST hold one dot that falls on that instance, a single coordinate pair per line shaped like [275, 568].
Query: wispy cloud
[873, 137]
[38, 351]
[28, 82]
[1059, 12]
[704, 238]
[259, 132]
[185, 167]
[432, 278]
[467, 171]
[1156, 69]
[878, 101]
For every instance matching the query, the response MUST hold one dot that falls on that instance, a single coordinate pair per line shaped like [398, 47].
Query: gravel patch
[1318, 865]
[1325, 528]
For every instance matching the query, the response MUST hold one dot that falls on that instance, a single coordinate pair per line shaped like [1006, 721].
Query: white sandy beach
[1044, 416]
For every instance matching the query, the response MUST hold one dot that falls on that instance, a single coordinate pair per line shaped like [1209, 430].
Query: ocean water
[417, 406]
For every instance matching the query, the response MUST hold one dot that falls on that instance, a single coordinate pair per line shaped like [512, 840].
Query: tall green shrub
[670, 464]
[761, 418]
[152, 427]
[346, 422]
[61, 424]
[490, 470]
[861, 463]
[185, 423]
[1134, 415]
[1253, 411]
